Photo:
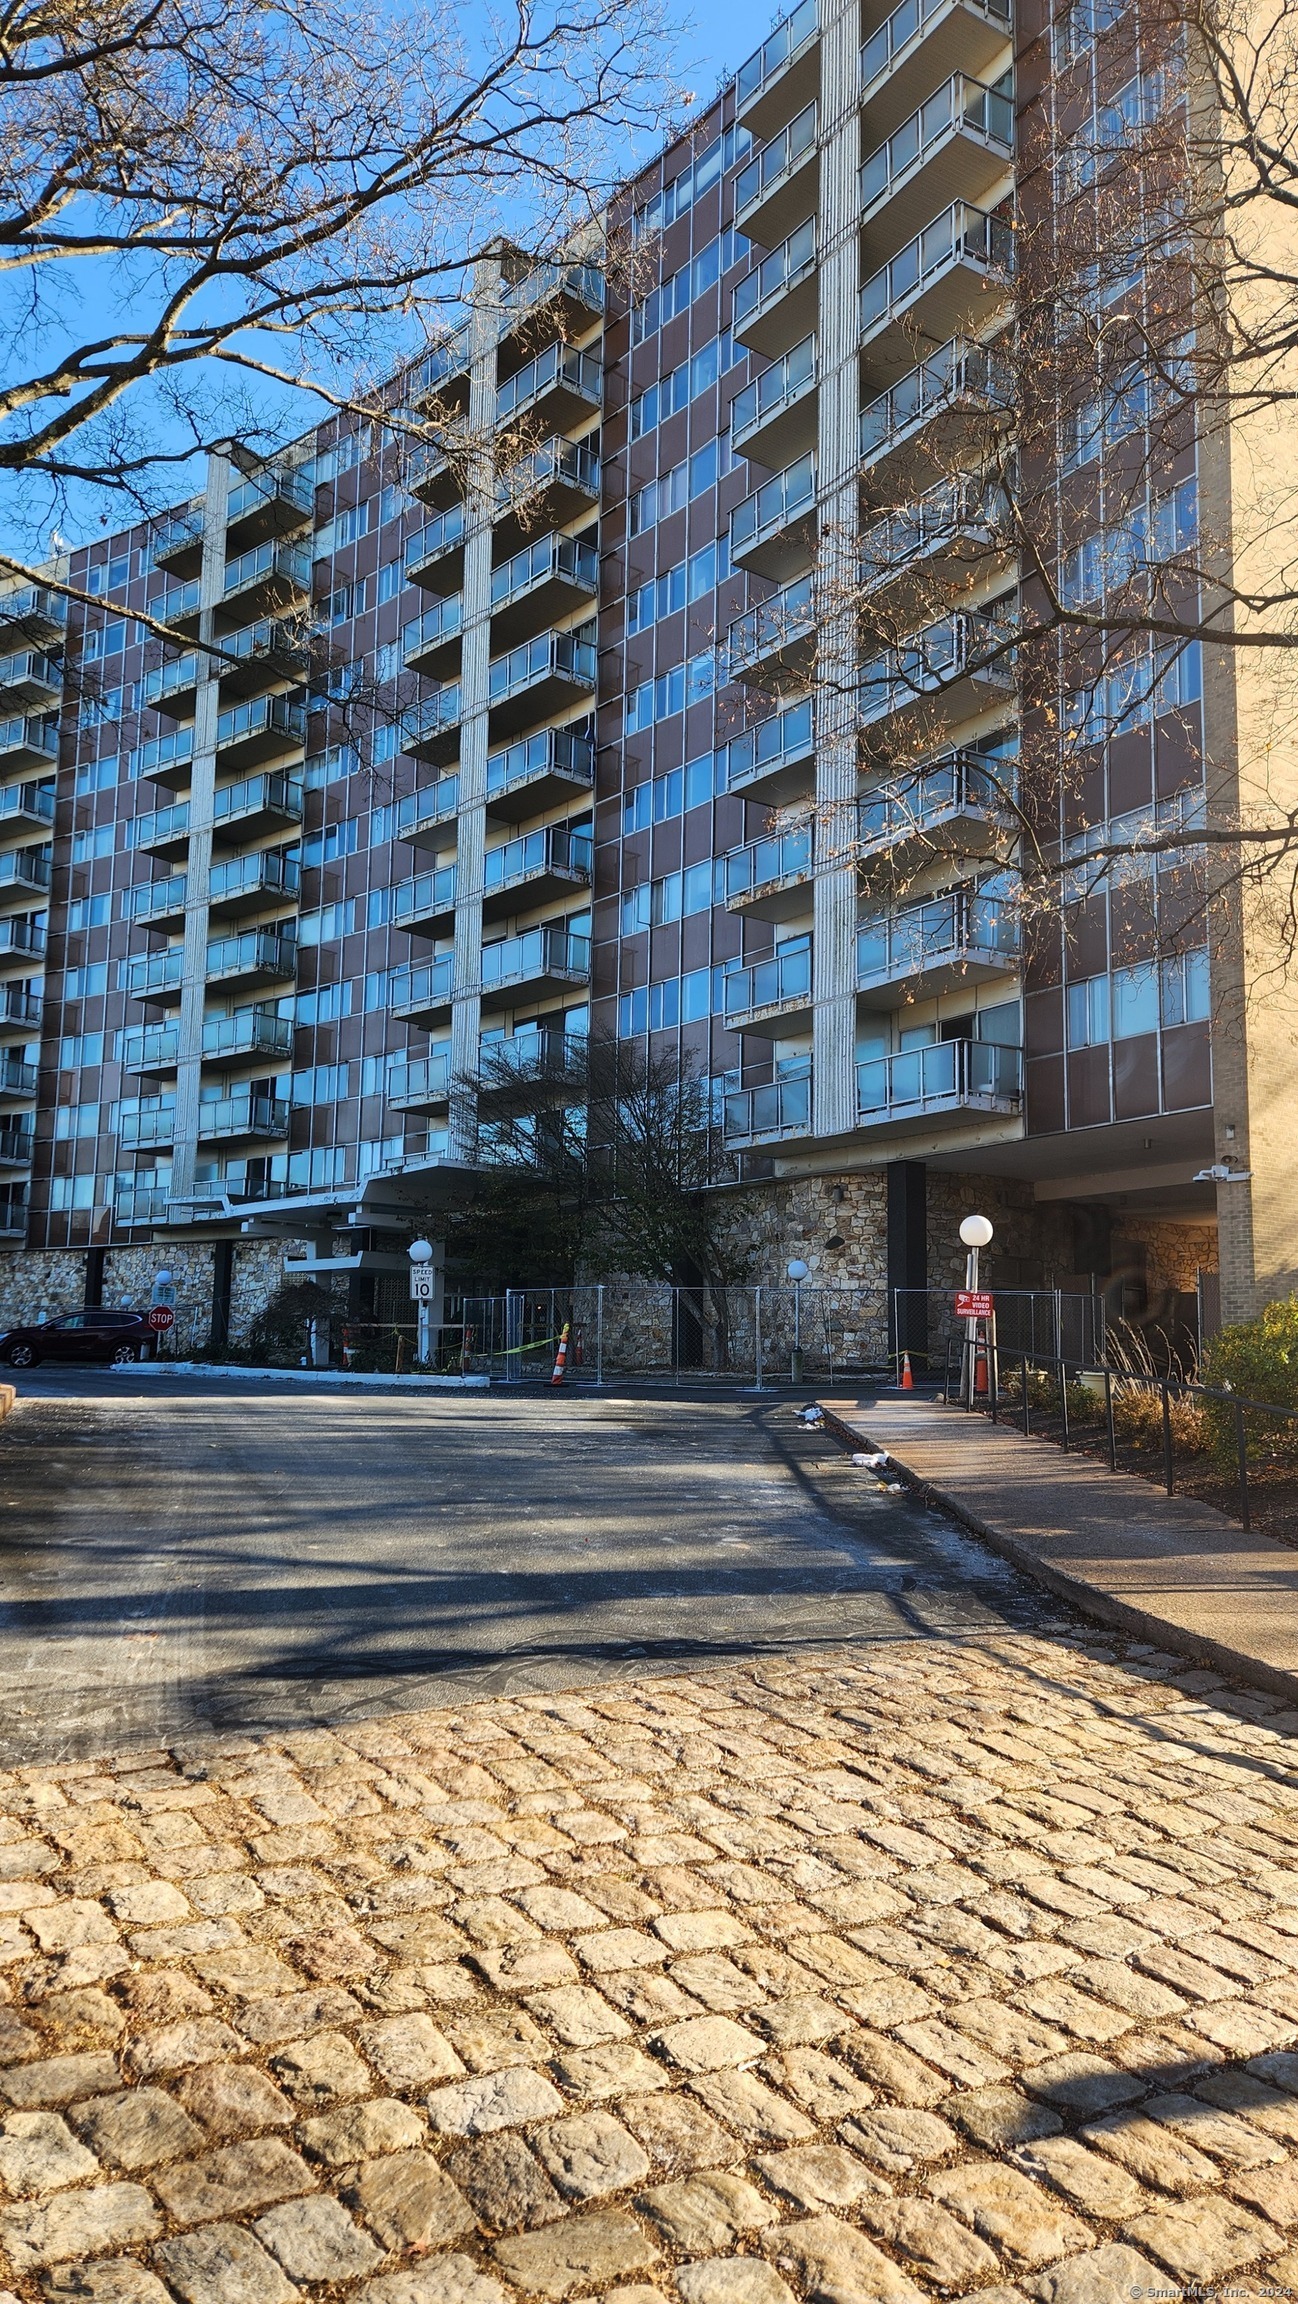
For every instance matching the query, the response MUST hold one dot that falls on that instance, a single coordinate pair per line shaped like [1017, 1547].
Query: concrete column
[834, 887]
[475, 652]
[202, 794]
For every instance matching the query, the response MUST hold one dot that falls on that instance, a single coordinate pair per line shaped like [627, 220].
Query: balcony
[422, 817]
[537, 680]
[555, 484]
[257, 883]
[249, 1033]
[559, 388]
[426, 904]
[901, 60]
[435, 556]
[772, 996]
[13, 1213]
[775, 761]
[24, 809]
[179, 607]
[952, 279]
[782, 73]
[270, 503]
[958, 146]
[172, 687]
[770, 879]
[224, 1119]
[438, 468]
[141, 1203]
[270, 578]
[952, 539]
[165, 759]
[30, 679]
[20, 1009]
[776, 305]
[767, 1115]
[257, 804]
[533, 965]
[422, 1085]
[775, 527]
[432, 642]
[259, 730]
[156, 976]
[781, 182]
[540, 772]
[152, 1121]
[776, 637]
[422, 995]
[21, 942]
[269, 650]
[159, 904]
[925, 950]
[540, 868]
[18, 1078]
[31, 614]
[151, 1048]
[549, 579]
[950, 1079]
[958, 806]
[447, 363]
[773, 420]
[260, 957]
[25, 875]
[16, 1146]
[567, 297]
[27, 744]
[958, 667]
[178, 541]
[935, 418]
[432, 730]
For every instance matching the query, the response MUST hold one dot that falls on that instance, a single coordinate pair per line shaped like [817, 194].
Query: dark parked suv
[113, 1337]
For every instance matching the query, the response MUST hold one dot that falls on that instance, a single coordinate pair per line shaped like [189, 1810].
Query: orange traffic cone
[907, 1380]
[980, 1370]
[561, 1360]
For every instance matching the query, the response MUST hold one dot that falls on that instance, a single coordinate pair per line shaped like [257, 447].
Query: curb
[1088, 1599]
[328, 1376]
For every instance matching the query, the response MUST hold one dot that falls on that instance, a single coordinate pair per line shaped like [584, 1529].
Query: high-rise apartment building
[678, 691]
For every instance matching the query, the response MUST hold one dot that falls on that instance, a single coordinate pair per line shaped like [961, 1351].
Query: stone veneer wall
[41, 1283]
[838, 1225]
[1175, 1254]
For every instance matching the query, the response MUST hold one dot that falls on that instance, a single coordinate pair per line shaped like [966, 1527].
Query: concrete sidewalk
[1173, 1570]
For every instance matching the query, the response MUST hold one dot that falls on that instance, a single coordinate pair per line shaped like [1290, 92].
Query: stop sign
[161, 1317]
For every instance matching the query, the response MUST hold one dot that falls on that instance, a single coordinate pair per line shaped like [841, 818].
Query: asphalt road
[178, 1556]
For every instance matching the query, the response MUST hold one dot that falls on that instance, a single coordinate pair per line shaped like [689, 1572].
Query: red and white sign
[974, 1304]
[161, 1317]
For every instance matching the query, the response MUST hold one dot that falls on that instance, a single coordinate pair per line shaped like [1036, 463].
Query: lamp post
[976, 1233]
[420, 1253]
[797, 1272]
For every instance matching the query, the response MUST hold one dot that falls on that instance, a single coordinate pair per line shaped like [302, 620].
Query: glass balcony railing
[268, 952]
[962, 234]
[429, 986]
[438, 804]
[552, 655]
[31, 800]
[973, 514]
[883, 48]
[426, 896]
[141, 1203]
[792, 261]
[578, 371]
[950, 1074]
[433, 541]
[159, 899]
[21, 939]
[957, 373]
[268, 716]
[33, 610]
[580, 284]
[293, 488]
[180, 532]
[17, 1076]
[435, 717]
[788, 616]
[244, 1115]
[774, 390]
[540, 952]
[765, 863]
[248, 1032]
[275, 793]
[784, 981]
[425, 1079]
[971, 644]
[150, 1047]
[552, 751]
[957, 928]
[552, 849]
[29, 740]
[274, 638]
[777, 52]
[559, 556]
[150, 1122]
[173, 678]
[286, 565]
[439, 624]
[920, 803]
[267, 874]
[790, 496]
[778, 743]
[26, 871]
[17, 1145]
[19, 1006]
[781, 1108]
[162, 755]
[556, 463]
[785, 153]
[961, 106]
[151, 974]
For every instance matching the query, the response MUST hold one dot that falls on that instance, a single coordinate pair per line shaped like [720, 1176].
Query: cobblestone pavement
[954, 1967]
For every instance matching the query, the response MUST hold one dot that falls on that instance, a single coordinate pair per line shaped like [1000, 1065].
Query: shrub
[1259, 1360]
[1138, 1418]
